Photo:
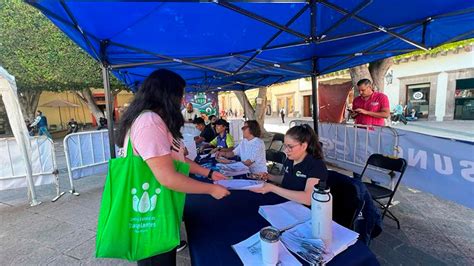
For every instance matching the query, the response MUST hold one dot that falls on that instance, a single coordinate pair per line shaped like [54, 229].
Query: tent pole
[340, 62]
[314, 80]
[314, 92]
[375, 26]
[60, 118]
[262, 19]
[109, 108]
[346, 17]
[293, 19]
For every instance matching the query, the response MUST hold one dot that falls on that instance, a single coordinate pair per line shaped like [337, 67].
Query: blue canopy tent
[232, 45]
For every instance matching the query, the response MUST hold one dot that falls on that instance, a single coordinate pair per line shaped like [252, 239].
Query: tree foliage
[441, 48]
[39, 55]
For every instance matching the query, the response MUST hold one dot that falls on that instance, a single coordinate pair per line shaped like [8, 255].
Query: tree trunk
[86, 96]
[259, 112]
[244, 101]
[29, 102]
[374, 71]
[378, 69]
[358, 73]
[260, 108]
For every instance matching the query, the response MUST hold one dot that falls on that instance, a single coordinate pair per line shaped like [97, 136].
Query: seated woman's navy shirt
[296, 175]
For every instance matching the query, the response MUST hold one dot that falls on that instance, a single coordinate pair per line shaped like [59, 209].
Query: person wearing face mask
[303, 168]
[251, 150]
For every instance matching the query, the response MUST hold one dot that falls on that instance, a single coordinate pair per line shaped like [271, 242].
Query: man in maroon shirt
[370, 107]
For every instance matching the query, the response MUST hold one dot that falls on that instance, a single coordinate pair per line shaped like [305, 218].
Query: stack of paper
[240, 184]
[250, 252]
[233, 169]
[300, 237]
[285, 215]
[291, 214]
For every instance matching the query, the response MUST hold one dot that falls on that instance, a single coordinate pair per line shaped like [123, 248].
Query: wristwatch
[209, 176]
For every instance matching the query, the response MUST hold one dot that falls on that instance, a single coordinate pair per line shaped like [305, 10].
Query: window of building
[464, 99]
[418, 98]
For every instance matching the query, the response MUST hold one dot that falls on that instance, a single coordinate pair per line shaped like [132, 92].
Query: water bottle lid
[270, 234]
[321, 187]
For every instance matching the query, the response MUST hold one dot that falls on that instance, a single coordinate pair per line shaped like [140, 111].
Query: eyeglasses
[290, 147]
[245, 127]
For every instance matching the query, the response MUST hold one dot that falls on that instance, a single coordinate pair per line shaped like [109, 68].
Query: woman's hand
[260, 176]
[267, 187]
[248, 162]
[218, 192]
[218, 176]
[222, 160]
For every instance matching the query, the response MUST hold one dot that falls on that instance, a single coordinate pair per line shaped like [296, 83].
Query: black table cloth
[213, 226]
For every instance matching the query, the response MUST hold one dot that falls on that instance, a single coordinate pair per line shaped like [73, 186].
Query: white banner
[13, 171]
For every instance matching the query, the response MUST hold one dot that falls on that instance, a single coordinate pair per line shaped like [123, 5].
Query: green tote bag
[138, 217]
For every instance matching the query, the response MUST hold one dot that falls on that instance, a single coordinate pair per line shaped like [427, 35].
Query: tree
[257, 113]
[42, 58]
[374, 71]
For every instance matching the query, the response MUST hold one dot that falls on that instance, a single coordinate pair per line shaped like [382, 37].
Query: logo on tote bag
[145, 203]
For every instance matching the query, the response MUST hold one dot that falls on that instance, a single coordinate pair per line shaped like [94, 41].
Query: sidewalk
[455, 129]
[433, 231]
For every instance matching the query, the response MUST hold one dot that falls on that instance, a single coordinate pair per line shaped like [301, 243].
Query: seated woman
[304, 167]
[251, 150]
[224, 140]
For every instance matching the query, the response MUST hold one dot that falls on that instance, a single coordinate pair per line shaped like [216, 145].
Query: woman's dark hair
[254, 128]
[304, 133]
[161, 92]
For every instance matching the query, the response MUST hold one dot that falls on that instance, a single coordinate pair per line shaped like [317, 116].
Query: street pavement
[433, 231]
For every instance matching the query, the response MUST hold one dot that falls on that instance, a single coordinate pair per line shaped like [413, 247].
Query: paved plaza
[433, 231]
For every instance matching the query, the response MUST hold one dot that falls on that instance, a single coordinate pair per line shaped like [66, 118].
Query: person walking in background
[152, 122]
[190, 113]
[42, 122]
[370, 107]
[282, 114]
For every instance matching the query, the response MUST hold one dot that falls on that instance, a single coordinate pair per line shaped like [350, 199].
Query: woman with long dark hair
[153, 122]
[304, 166]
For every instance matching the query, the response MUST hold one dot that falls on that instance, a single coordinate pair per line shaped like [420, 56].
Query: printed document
[240, 184]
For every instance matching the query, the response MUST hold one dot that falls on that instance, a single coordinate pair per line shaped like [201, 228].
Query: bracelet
[209, 176]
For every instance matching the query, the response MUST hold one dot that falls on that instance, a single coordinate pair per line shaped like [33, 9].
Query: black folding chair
[275, 157]
[347, 203]
[379, 192]
[279, 139]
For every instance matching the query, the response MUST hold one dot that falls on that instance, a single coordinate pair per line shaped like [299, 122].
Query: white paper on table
[342, 238]
[240, 184]
[250, 252]
[285, 215]
[233, 169]
[191, 147]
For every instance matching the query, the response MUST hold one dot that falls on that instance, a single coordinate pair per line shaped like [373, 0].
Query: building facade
[438, 86]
